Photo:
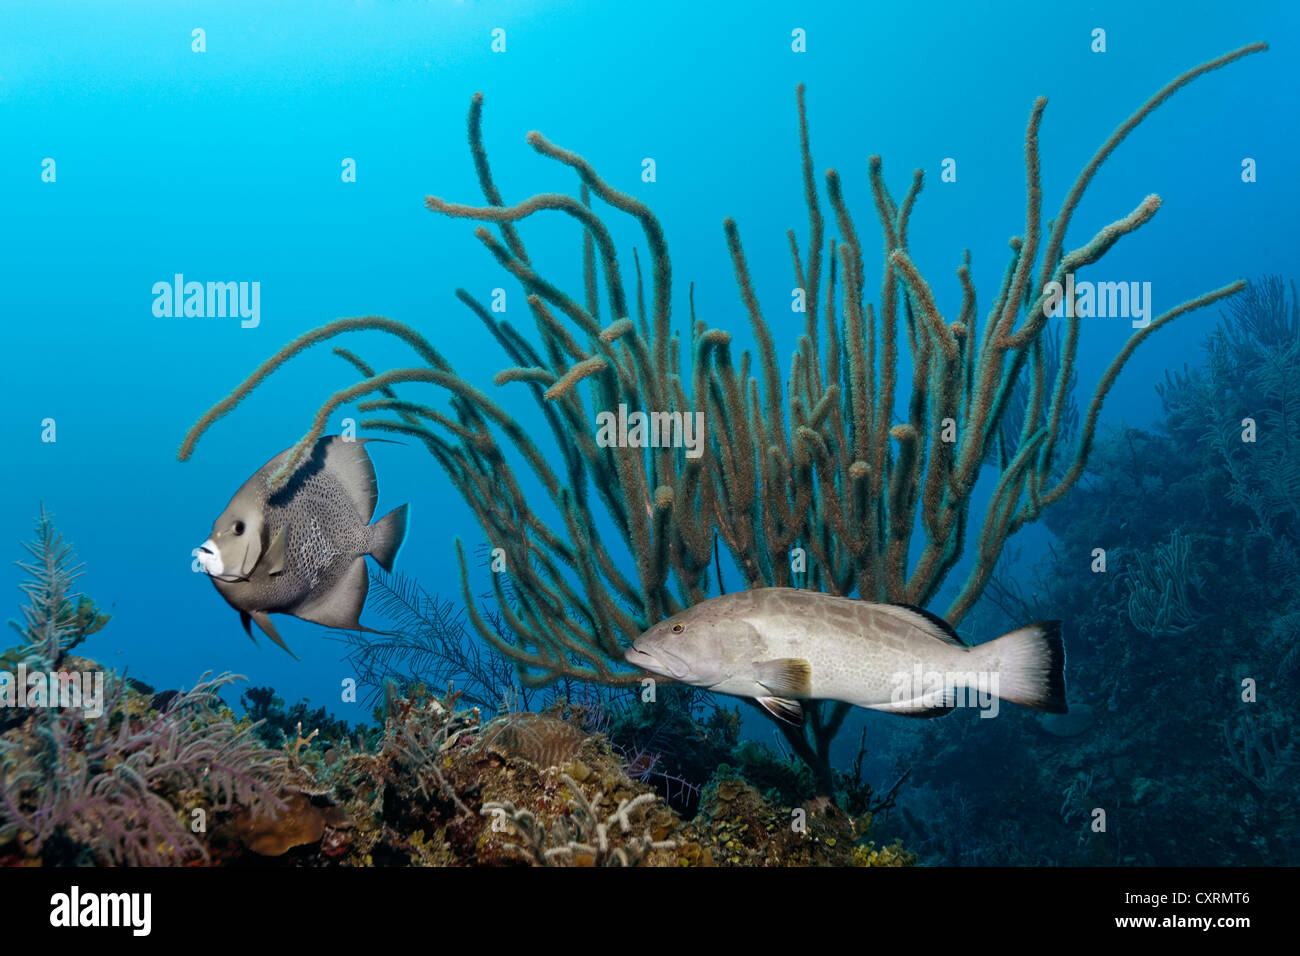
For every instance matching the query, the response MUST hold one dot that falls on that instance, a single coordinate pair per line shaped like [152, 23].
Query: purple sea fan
[117, 794]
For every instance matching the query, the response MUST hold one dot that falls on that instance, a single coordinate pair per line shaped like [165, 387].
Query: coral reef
[115, 782]
[78, 790]
[436, 785]
[175, 778]
[580, 837]
[738, 827]
[543, 740]
[440, 786]
[275, 724]
[1159, 604]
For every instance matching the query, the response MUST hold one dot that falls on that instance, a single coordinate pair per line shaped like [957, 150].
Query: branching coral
[1245, 409]
[1257, 754]
[584, 835]
[52, 624]
[1255, 374]
[418, 742]
[112, 789]
[817, 462]
[1158, 602]
[111, 785]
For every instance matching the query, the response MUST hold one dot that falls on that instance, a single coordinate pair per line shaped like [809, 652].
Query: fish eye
[239, 527]
[678, 628]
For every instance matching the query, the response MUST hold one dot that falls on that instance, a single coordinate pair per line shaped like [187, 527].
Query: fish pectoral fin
[264, 622]
[275, 551]
[928, 705]
[341, 605]
[785, 710]
[785, 676]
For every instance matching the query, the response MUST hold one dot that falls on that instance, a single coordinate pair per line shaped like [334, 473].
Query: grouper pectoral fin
[785, 676]
[264, 622]
[341, 605]
[275, 551]
[785, 710]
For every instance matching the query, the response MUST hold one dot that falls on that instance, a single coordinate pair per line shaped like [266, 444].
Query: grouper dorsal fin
[931, 623]
[785, 710]
[785, 676]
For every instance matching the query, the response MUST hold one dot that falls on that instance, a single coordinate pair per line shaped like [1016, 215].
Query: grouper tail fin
[1030, 664]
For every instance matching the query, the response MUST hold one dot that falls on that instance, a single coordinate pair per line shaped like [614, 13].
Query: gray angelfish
[782, 645]
[301, 551]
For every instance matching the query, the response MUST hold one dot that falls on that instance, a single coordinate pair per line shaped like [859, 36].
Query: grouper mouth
[657, 663]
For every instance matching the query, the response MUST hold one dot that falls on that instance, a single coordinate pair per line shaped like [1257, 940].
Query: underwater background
[230, 164]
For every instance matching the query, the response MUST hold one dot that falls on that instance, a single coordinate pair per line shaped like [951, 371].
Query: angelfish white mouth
[210, 558]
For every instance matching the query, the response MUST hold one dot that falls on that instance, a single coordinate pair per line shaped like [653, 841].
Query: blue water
[225, 165]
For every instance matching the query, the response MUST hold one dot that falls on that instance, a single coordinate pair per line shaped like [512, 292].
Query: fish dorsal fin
[932, 624]
[785, 676]
[339, 606]
[348, 462]
[785, 710]
[275, 551]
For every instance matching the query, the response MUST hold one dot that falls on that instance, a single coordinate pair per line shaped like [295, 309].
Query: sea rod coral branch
[604, 540]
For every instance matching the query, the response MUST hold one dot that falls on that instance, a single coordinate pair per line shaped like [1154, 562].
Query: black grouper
[782, 645]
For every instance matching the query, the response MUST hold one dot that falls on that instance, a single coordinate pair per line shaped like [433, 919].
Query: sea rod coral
[818, 462]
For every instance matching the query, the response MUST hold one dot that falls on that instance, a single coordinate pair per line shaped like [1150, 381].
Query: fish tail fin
[387, 535]
[1030, 664]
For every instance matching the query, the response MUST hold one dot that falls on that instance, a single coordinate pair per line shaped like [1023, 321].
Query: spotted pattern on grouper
[302, 550]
